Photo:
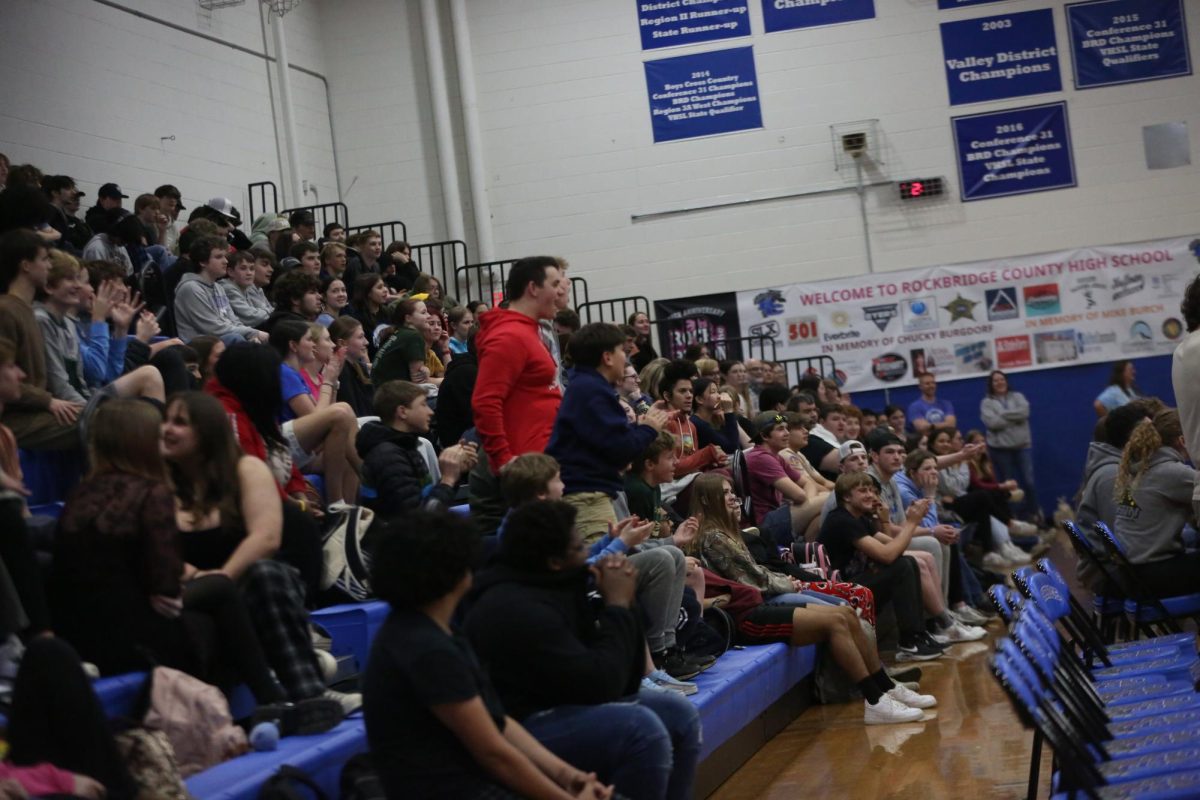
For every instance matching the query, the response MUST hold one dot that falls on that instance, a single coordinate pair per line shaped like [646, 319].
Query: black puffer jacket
[396, 471]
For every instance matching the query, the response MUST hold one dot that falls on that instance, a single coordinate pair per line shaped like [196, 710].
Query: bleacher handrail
[605, 310]
[323, 213]
[256, 209]
[442, 260]
[798, 368]
[387, 230]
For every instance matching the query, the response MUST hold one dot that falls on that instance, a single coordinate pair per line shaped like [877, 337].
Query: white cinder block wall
[89, 88]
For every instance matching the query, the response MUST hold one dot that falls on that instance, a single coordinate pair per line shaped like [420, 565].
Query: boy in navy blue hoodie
[593, 440]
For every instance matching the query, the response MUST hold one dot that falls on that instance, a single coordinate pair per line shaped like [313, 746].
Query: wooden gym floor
[971, 746]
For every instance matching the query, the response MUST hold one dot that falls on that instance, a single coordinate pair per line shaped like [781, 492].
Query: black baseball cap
[111, 190]
[302, 217]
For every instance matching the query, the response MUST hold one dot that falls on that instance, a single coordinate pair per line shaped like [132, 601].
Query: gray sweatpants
[661, 572]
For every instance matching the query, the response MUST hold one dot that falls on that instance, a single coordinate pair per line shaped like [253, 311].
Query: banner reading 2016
[1018, 151]
[703, 94]
[963, 320]
[1126, 41]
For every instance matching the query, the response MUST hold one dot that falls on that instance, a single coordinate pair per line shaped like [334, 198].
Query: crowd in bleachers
[631, 516]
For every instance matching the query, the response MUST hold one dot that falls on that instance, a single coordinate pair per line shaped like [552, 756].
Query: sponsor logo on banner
[840, 319]
[1172, 328]
[1013, 352]
[802, 330]
[974, 356]
[768, 329]
[1053, 347]
[889, 367]
[1093, 342]
[881, 315]
[769, 303]
[1089, 284]
[961, 308]
[1001, 303]
[1141, 338]
[1126, 285]
[1041, 300]
[920, 314]
[1165, 285]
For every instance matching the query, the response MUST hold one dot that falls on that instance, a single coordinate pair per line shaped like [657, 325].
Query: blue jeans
[1017, 465]
[776, 526]
[646, 746]
[802, 599]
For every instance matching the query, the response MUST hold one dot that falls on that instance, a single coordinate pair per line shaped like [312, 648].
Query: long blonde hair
[708, 507]
[1164, 429]
[651, 376]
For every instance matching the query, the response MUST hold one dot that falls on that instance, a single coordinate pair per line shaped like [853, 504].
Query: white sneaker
[910, 698]
[889, 711]
[962, 633]
[1014, 554]
[994, 562]
[351, 701]
[327, 664]
[968, 615]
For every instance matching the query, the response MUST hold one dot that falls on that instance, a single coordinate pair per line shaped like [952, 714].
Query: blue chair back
[1019, 663]
[1048, 597]
[1047, 568]
[1009, 674]
[999, 597]
[1081, 542]
[1105, 532]
[1029, 642]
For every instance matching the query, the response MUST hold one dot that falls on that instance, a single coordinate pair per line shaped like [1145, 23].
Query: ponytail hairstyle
[1164, 429]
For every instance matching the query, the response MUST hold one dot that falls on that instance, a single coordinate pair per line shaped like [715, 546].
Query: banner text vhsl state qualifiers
[1051, 269]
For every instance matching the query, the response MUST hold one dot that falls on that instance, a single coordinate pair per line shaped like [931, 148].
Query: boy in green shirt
[654, 467]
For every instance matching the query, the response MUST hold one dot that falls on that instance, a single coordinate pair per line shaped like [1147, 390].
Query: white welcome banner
[964, 320]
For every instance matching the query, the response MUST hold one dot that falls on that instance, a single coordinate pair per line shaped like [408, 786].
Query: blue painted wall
[1062, 416]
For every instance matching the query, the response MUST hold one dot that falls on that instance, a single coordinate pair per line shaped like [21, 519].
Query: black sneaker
[703, 662]
[918, 650]
[677, 665]
[306, 717]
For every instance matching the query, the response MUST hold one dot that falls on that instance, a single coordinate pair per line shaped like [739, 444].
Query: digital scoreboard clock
[918, 188]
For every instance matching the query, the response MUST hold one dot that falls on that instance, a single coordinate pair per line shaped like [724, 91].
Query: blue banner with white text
[992, 58]
[703, 94]
[787, 15]
[1127, 41]
[1017, 151]
[669, 23]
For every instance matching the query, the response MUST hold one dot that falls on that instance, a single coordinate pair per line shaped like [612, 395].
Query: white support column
[470, 111]
[443, 133]
[291, 184]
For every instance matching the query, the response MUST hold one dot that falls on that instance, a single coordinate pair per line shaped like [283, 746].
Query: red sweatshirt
[252, 442]
[515, 398]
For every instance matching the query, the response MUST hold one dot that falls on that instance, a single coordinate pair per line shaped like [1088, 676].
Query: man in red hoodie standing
[516, 394]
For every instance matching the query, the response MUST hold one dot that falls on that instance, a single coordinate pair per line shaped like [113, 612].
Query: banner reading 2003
[964, 320]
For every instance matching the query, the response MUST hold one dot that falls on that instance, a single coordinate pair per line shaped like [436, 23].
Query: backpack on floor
[195, 718]
[694, 633]
[347, 562]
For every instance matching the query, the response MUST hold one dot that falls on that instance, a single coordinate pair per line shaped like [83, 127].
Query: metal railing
[485, 282]
[740, 348]
[324, 214]
[393, 231]
[797, 368]
[442, 260]
[259, 190]
[617, 310]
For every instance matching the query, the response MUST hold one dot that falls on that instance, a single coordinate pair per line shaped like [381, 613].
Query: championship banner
[670, 23]
[703, 94]
[964, 320]
[1126, 41]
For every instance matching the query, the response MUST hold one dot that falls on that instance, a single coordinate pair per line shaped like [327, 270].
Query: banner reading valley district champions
[964, 320]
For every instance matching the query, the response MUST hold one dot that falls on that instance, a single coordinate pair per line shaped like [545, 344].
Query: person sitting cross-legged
[435, 725]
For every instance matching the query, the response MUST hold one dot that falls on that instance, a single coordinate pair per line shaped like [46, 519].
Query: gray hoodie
[202, 308]
[1150, 522]
[1006, 418]
[64, 366]
[1096, 503]
[250, 305]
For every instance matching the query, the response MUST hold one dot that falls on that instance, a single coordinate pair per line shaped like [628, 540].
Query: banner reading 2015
[1126, 41]
[964, 320]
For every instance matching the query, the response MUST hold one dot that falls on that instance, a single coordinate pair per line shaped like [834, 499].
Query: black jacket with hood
[545, 644]
[395, 469]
